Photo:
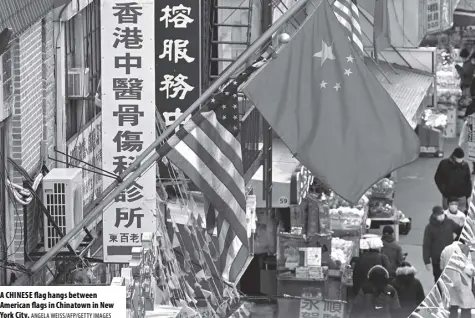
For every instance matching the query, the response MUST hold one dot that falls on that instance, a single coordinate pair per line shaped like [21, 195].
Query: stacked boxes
[452, 121]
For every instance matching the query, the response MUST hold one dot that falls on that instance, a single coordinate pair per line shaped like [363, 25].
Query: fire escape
[230, 26]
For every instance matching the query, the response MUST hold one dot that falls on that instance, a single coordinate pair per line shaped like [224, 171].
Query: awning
[407, 87]
[19, 15]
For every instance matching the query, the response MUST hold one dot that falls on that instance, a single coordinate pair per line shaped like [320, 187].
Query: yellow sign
[314, 308]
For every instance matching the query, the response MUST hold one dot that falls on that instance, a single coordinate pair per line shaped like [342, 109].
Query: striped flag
[348, 15]
[208, 150]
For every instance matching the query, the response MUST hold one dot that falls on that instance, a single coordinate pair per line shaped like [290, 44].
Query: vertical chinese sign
[128, 120]
[177, 59]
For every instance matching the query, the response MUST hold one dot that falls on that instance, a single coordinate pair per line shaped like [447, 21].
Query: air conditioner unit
[62, 197]
[78, 82]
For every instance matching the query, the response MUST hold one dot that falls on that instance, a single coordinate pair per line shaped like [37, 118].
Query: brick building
[27, 131]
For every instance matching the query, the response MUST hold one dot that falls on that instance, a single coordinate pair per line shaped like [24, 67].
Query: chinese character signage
[312, 307]
[177, 60]
[85, 151]
[128, 120]
[440, 15]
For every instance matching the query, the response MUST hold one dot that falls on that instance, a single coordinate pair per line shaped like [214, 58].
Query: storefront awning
[407, 87]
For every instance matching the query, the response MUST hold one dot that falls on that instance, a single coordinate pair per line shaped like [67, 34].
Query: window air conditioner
[78, 82]
[62, 197]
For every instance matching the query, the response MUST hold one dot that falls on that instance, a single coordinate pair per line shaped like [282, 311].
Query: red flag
[329, 109]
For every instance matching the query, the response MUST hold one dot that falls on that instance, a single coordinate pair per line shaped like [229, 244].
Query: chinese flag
[330, 110]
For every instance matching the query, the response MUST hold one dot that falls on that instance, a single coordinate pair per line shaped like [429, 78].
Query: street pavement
[416, 194]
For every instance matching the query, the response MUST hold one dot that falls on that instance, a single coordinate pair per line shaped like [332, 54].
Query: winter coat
[437, 235]
[461, 295]
[466, 73]
[458, 217]
[453, 179]
[364, 264]
[393, 251]
[369, 305]
[409, 290]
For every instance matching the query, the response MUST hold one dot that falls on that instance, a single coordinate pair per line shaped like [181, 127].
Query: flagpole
[137, 167]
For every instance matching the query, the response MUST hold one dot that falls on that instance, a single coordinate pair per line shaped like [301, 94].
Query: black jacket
[393, 251]
[368, 304]
[437, 236]
[466, 73]
[362, 266]
[409, 290]
[453, 179]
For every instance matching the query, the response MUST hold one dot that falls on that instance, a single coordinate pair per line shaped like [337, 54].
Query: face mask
[453, 208]
[440, 218]
[458, 160]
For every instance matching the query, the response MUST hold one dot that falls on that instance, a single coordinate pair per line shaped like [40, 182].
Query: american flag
[208, 150]
[348, 15]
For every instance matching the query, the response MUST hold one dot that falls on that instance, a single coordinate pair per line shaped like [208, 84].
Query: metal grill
[56, 205]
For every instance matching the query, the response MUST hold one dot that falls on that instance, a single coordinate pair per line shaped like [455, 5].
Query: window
[7, 75]
[83, 46]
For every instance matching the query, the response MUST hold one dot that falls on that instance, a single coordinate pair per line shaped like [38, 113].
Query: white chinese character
[178, 15]
[170, 118]
[177, 84]
[176, 50]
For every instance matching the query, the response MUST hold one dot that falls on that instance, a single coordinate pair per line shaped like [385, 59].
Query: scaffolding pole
[138, 167]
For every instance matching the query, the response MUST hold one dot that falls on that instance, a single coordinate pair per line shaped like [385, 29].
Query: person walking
[377, 298]
[454, 213]
[437, 235]
[367, 261]
[460, 291]
[409, 289]
[391, 248]
[453, 179]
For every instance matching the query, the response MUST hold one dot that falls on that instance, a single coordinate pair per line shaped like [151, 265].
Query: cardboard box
[301, 272]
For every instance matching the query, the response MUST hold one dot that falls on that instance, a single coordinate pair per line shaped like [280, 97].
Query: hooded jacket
[376, 299]
[392, 250]
[409, 290]
[453, 179]
[437, 235]
[365, 262]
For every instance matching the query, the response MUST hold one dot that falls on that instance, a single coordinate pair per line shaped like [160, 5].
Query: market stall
[451, 100]
[313, 260]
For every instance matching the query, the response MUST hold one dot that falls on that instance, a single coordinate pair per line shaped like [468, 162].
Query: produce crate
[294, 242]
[431, 141]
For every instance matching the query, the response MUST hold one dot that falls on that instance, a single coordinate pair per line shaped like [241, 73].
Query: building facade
[27, 118]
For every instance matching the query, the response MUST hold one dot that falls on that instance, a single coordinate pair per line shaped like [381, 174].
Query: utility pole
[138, 167]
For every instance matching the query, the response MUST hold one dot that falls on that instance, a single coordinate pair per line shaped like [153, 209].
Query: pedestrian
[460, 291]
[466, 71]
[368, 260]
[377, 298]
[454, 213]
[437, 235]
[391, 248]
[409, 289]
[453, 179]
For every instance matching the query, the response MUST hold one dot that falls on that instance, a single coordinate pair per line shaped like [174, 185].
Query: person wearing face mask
[454, 213]
[453, 179]
[460, 291]
[437, 235]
